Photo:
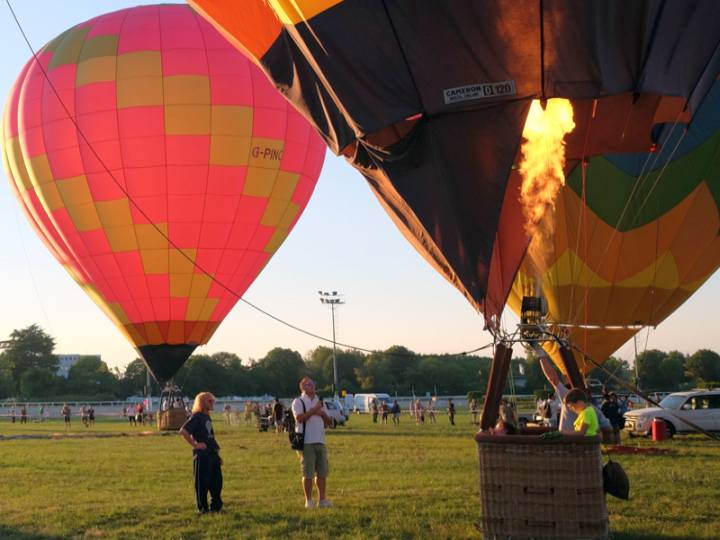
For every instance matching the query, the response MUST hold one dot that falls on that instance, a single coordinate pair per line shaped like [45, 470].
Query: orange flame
[542, 165]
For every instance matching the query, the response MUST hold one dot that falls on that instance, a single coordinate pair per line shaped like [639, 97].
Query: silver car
[701, 407]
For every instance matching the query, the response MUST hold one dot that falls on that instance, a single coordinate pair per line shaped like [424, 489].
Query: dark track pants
[208, 477]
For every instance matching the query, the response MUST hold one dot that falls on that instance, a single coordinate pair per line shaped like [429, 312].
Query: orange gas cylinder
[659, 430]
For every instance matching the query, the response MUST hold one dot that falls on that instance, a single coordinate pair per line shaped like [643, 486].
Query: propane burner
[532, 317]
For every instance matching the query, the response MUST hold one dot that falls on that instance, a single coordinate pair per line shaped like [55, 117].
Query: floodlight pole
[332, 298]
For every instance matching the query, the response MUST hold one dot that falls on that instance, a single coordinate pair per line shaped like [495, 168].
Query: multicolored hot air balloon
[160, 167]
[634, 236]
[428, 100]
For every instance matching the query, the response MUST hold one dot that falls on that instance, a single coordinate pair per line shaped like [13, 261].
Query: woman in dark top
[198, 432]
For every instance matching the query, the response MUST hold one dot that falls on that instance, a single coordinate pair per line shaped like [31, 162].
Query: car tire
[670, 429]
[334, 424]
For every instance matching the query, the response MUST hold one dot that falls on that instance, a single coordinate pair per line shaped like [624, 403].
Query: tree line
[28, 370]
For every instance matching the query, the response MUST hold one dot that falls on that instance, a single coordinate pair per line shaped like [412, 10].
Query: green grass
[411, 482]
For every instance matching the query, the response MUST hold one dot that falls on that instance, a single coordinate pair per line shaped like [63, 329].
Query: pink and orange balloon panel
[160, 167]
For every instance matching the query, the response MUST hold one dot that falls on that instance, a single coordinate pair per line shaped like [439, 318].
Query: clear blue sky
[344, 242]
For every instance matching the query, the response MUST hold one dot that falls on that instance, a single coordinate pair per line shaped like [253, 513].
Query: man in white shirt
[311, 418]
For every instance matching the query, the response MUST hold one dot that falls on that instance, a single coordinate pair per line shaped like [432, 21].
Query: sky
[343, 242]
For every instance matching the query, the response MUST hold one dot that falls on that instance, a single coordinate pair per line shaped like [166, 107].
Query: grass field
[411, 482]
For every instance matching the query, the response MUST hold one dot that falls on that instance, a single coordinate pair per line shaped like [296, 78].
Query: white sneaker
[324, 504]
[309, 503]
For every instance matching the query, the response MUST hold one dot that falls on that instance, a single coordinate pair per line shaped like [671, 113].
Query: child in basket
[586, 422]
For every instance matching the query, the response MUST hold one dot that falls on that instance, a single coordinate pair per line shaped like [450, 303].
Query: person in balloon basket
[567, 414]
[207, 464]
[311, 419]
[586, 423]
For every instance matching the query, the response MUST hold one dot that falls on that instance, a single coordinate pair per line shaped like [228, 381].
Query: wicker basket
[172, 419]
[532, 488]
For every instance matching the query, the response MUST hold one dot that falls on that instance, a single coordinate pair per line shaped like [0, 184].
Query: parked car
[701, 407]
[335, 411]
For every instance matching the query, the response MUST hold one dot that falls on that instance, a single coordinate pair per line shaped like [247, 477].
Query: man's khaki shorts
[314, 460]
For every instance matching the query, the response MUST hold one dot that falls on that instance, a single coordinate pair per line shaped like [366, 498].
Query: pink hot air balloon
[168, 166]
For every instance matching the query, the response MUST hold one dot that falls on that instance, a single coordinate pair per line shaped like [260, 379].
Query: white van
[361, 402]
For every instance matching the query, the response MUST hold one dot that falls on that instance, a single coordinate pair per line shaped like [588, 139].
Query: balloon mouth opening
[164, 360]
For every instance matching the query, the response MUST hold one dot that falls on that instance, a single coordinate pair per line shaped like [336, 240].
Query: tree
[619, 368]
[7, 385]
[90, 376]
[659, 371]
[704, 365]
[239, 380]
[279, 372]
[673, 370]
[29, 348]
[376, 374]
[38, 383]
[134, 379]
[319, 364]
[203, 374]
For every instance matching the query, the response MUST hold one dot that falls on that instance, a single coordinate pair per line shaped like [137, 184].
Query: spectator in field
[419, 412]
[384, 412]
[374, 410]
[66, 414]
[23, 415]
[412, 409]
[12, 415]
[207, 464]
[248, 413]
[611, 409]
[451, 411]
[431, 411]
[278, 414]
[227, 412]
[395, 410]
[84, 415]
[474, 410]
[139, 410]
[131, 415]
[311, 419]
[91, 415]
[41, 413]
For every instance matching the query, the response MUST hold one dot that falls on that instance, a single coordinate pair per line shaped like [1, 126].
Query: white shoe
[324, 504]
[309, 503]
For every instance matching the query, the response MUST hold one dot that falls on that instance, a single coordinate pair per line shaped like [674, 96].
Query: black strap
[304, 411]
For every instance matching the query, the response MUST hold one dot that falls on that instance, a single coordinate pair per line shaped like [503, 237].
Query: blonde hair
[199, 404]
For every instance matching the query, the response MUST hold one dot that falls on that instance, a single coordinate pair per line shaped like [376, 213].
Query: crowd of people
[420, 412]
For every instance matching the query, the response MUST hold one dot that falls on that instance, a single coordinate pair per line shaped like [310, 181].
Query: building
[65, 362]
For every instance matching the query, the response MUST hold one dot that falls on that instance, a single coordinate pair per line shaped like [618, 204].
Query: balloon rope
[640, 181]
[29, 266]
[583, 164]
[182, 252]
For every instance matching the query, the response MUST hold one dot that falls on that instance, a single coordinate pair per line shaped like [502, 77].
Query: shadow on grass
[10, 533]
[389, 433]
[648, 536]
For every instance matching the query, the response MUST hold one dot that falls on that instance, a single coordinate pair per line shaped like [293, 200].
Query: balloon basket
[533, 488]
[171, 420]
[173, 413]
